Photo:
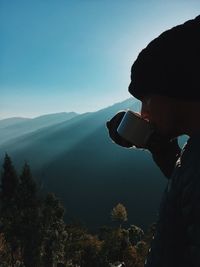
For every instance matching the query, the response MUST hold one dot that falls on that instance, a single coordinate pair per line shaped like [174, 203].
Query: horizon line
[59, 112]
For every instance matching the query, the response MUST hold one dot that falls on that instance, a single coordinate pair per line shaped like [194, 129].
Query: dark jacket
[177, 239]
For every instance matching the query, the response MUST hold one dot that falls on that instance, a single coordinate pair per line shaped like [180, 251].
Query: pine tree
[9, 213]
[54, 234]
[9, 180]
[29, 232]
[27, 188]
[33, 228]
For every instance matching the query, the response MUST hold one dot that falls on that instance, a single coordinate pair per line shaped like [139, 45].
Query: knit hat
[170, 64]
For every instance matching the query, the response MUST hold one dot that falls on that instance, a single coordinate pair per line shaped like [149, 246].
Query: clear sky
[76, 55]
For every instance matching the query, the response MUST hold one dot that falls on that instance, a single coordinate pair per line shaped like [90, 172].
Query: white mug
[134, 129]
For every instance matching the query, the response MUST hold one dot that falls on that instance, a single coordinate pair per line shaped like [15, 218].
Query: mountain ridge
[77, 160]
[15, 129]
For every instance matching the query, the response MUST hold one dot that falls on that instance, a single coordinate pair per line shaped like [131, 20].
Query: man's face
[162, 112]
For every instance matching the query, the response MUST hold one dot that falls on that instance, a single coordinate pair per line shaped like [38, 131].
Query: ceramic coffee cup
[134, 129]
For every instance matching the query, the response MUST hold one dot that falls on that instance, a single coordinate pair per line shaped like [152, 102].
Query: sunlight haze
[63, 56]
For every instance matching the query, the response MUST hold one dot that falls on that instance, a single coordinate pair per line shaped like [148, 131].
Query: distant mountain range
[75, 158]
[15, 127]
[11, 121]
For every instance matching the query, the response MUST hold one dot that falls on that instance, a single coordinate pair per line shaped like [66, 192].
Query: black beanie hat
[170, 64]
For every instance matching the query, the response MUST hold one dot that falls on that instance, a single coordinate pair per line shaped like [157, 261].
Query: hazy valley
[72, 155]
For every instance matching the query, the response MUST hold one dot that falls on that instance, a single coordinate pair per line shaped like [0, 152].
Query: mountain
[11, 121]
[14, 127]
[77, 160]
[61, 137]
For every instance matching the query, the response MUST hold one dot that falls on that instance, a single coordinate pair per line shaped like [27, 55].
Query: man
[166, 79]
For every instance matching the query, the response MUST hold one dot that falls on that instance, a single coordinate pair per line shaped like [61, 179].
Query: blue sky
[61, 55]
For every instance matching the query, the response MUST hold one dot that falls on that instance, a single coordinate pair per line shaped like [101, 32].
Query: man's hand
[165, 152]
